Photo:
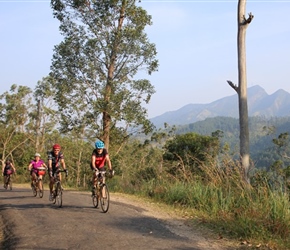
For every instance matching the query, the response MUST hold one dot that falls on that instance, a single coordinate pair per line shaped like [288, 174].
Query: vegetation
[194, 173]
[95, 95]
[263, 133]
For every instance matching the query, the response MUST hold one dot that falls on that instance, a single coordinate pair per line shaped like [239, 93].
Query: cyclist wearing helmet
[34, 166]
[7, 169]
[100, 158]
[55, 159]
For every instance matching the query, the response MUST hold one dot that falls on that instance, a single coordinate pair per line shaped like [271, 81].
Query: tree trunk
[38, 118]
[243, 105]
[106, 114]
[242, 88]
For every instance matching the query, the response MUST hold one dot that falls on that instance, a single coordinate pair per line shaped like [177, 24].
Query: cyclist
[55, 159]
[34, 167]
[7, 169]
[100, 158]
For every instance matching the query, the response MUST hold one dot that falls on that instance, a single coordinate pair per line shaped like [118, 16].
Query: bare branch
[250, 18]
[235, 87]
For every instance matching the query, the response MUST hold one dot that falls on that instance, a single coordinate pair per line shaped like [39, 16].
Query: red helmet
[56, 146]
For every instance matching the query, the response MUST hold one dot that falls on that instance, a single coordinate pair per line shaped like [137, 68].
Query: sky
[196, 43]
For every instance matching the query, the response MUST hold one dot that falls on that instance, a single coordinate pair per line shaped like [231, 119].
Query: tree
[198, 148]
[241, 89]
[43, 116]
[14, 118]
[94, 68]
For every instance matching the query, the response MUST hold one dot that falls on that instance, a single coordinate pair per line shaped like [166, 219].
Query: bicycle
[101, 193]
[57, 188]
[8, 180]
[37, 184]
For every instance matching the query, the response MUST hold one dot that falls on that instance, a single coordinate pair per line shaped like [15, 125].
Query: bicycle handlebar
[98, 171]
[61, 171]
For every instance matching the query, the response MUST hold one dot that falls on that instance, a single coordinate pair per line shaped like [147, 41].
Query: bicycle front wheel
[95, 199]
[40, 185]
[10, 183]
[104, 198]
[34, 189]
[59, 194]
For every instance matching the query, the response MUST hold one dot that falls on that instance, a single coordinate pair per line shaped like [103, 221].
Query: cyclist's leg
[103, 190]
[33, 177]
[59, 176]
[39, 182]
[51, 182]
[94, 183]
[4, 180]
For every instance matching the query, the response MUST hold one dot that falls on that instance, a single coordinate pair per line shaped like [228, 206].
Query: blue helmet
[99, 144]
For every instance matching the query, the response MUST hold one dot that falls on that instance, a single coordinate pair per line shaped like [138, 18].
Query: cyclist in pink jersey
[34, 167]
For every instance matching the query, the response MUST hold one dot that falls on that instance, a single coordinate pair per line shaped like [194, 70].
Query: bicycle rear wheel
[58, 194]
[104, 198]
[40, 185]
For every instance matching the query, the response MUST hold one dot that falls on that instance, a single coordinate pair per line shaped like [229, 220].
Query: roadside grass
[258, 217]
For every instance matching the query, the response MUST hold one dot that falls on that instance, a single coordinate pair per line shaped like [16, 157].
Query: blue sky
[196, 44]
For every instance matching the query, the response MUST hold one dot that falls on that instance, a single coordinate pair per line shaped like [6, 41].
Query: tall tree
[44, 117]
[241, 89]
[95, 67]
[14, 118]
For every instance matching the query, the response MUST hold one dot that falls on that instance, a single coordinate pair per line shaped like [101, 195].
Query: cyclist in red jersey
[100, 158]
[55, 161]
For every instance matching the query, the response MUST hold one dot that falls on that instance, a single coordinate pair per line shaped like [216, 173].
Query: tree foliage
[199, 148]
[14, 118]
[96, 65]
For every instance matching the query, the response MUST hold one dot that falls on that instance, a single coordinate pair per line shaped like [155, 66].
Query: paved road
[35, 223]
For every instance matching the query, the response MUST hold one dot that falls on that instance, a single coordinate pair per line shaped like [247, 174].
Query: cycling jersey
[7, 168]
[55, 159]
[36, 165]
[100, 158]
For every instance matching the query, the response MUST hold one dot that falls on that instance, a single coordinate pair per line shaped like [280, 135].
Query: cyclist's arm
[63, 164]
[43, 165]
[30, 166]
[109, 162]
[49, 164]
[13, 167]
[94, 161]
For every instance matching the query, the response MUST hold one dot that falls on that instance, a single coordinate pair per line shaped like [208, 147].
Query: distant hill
[262, 131]
[259, 104]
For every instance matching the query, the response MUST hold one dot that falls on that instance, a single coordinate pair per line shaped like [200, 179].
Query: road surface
[35, 223]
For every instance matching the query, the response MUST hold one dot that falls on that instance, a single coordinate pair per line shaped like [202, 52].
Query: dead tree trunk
[241, 89]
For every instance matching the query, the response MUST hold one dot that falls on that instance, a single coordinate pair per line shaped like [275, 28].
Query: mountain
[259, 104]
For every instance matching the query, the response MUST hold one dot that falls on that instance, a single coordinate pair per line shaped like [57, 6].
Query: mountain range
[259, 104]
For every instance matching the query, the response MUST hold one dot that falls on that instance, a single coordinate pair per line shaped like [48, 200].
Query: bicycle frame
[36, 189]
[57, 188]
[102, 193]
